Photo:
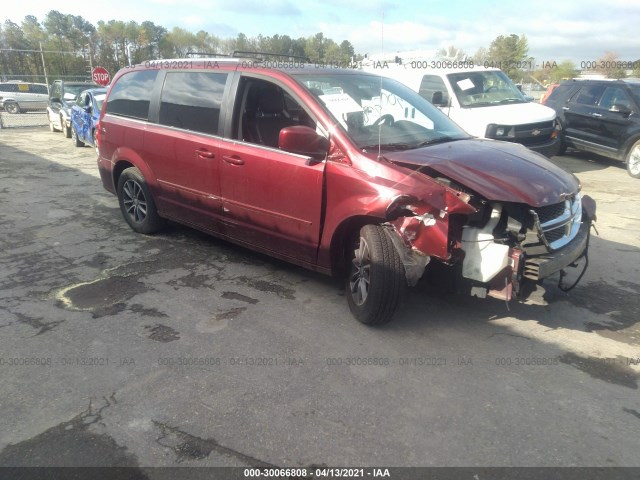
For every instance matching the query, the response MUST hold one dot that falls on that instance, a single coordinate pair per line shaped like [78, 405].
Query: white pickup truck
[484, 102]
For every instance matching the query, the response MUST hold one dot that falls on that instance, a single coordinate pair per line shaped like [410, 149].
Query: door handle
[233, 160]
[596, 115]
[565, 108]
[205, 153]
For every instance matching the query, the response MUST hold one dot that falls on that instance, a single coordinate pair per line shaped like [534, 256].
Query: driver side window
[265, 109]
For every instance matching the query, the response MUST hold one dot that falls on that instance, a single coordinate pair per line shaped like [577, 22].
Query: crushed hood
[498, 171]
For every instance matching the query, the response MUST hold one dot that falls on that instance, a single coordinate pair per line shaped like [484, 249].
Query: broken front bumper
[540, 267]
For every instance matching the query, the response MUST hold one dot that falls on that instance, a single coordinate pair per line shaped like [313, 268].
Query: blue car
[84, 116]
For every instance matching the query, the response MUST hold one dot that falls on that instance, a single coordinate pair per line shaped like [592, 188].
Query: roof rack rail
[206, 54]
[257, 55]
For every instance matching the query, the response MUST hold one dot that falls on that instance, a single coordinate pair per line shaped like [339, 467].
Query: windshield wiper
[388, 146]
[433, 141]
[511, 100]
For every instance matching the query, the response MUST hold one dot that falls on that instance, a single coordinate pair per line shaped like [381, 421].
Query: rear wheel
[65, 129]
[74, 137]
[633, 160]
[376, 281]
[12, 107]
[136, 202]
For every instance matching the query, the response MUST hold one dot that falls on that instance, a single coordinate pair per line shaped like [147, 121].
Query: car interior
[265, 110]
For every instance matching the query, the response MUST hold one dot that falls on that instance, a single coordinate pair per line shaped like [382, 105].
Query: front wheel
[633, 160]
[376, 282]
[136, 202]
[12, 108]
[562, 149]
[74, 137]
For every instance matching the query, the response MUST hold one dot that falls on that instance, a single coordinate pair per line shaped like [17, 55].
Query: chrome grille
[558, 224]
[550, 212]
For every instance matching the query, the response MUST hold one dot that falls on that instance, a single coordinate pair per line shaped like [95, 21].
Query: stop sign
[101, 76]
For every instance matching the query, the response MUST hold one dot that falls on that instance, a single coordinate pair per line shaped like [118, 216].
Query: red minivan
[340, 171]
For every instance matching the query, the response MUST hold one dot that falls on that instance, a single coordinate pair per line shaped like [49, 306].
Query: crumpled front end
[496, 247]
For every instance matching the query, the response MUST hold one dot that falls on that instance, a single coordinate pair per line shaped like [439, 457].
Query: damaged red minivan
[340, 171]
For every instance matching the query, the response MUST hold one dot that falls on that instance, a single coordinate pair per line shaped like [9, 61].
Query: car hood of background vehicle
[475, 120]
[496, 170]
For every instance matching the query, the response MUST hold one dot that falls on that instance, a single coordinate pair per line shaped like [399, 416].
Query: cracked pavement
[118, 349]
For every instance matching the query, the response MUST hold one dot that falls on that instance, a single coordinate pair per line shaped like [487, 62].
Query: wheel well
[120, 167]
[630, 143]
[342, 238]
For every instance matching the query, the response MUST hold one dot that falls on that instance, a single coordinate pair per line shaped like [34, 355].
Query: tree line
[71, 45]
[510, 53]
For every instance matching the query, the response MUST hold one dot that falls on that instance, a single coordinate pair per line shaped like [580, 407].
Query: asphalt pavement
[179, 349]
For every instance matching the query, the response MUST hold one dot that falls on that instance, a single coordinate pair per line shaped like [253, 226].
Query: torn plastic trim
[414, 262]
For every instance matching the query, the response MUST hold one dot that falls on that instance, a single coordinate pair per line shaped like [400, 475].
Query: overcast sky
[577, 30]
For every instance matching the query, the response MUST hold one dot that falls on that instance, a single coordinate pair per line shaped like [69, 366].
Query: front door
[272, 199]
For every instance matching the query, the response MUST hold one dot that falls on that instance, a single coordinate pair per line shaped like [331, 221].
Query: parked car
[84, 116]
[601, 116]
[62, 95]
[16, 97]
[484, 102]
[340, 171]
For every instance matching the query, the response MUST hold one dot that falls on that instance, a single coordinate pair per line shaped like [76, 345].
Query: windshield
[380, 112]
[71, 92]
[484, 88]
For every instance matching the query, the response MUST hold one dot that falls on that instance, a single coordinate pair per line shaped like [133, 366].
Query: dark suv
[62, 95]
[339, 171]
[601, 116]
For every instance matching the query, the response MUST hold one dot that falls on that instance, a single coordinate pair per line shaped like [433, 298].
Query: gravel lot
[182, 350]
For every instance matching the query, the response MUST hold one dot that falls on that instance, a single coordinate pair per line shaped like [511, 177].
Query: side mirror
[303, 140]
[437, 99]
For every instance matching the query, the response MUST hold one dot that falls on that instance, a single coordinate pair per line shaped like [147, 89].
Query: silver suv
[16, 97]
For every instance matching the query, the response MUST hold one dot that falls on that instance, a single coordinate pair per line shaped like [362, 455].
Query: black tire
[376, 282]
[136, 202]
[12, 108]
[74, 138]
[633, 160]
[563, 146]
[65, 129]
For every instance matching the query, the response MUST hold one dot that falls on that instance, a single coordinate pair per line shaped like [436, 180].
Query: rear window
[131, 95]
[191, 100]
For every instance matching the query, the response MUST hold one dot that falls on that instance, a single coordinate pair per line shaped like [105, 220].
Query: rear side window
[191, 100]
[41, 89]
[588, 95]
[431, 84]
[131, 95]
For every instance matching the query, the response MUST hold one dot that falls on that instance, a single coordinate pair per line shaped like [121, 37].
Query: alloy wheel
[134, 200]
[360, 273]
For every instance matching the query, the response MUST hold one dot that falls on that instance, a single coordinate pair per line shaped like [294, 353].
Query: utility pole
[44, 67]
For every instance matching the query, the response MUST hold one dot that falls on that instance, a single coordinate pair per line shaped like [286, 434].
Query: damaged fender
[419, 231]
